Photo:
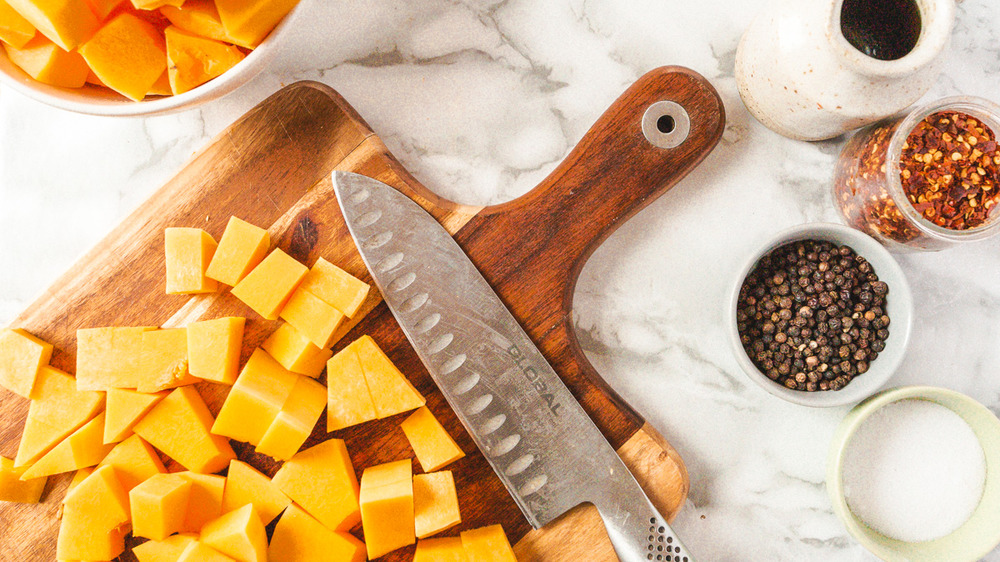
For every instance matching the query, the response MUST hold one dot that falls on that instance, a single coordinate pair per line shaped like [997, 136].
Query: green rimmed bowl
[978, 535]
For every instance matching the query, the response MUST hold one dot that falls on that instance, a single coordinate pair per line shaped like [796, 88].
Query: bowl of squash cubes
[136, 57]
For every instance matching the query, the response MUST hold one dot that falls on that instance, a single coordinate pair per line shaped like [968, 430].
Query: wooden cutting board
[272, 168]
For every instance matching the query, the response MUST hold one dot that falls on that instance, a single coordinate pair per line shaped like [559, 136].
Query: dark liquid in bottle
[881, 29]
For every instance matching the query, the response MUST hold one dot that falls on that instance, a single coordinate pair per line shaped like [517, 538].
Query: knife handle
[531, 250]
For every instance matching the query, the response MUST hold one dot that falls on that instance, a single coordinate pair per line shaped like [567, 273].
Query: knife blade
[538, 439]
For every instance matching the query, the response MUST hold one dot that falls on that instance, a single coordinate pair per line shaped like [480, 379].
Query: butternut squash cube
[188, 253]
[312, 317]
[179, 426]
[46, 62]
[58, 410]
[129, 55]
[321, 479]
[67, 23]
[161, 87]
[154, 4]
[444, 549]
[242, 245]
[167, 550]
[295, 352]
[158, 506]
[103, 8]
[84, 447]
[298, 537]
[200, 552]
[296, 420]
[487, 544]
[108, 357]
[245, 484]
[248, 23]
[391, 392]
[435, 503]
[214, 349]
[239, 534]
[135, 461]
[14, 29]
[125, 408]
[431, 443]
[387, 507]
[255, 399]
[13, 489]
[205, 501]
[268, 286]
[194, 60]
[164, 360]
[199, 17]
[22, 356]
[337, 287]
[95, 519]
[349, 401]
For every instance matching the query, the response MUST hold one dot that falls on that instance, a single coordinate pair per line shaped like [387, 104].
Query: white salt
[914, 471]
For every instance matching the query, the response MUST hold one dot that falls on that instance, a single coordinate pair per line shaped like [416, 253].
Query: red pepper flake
[949, 170]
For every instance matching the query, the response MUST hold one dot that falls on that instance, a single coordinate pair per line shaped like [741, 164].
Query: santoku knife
[539, 440]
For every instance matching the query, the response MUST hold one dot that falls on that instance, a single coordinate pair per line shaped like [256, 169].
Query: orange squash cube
[57, 411]
[247, 23]
[387, 507]
[239, 534]
[13, 489]
[435, 503]
[199, 17]
[295, 352]
[194, 60]
[84, 447]
[161, 87]
[392, 392]
[431, 443]
[128, 55]
[14, 29]
[296, 420]
[67, 23]
[487, 544]
[167, 550]
[158, 506]
[245, 484]
[46, 62]
[135, 461]
[321, 479]
[95, 519]
[337, 287]
[103, 8]
[312, 317]
[299, 537]
[349, 401]
[124, 409]
[22, 355]
[179, 426]
[214, 349]
[163, 362]
[108, 357]
[200, 552]
[242, 245]
[255, 399]
[444, 549]
[205, 501]
[268, 286]
[188, 253]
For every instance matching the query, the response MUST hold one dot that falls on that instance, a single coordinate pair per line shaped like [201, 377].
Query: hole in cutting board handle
[666, 124]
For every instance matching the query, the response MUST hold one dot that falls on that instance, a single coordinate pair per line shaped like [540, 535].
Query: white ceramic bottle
[800, 76]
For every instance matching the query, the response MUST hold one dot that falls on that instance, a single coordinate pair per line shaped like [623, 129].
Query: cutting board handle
[532, 249]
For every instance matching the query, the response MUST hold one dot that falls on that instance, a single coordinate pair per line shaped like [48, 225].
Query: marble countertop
[480, 99]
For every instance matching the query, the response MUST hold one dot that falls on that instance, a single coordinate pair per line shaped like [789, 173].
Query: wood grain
[272, 168]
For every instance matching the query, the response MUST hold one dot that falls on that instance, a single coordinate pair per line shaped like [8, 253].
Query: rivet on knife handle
[530, 428]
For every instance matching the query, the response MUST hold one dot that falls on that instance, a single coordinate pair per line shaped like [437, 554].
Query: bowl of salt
[914, 474]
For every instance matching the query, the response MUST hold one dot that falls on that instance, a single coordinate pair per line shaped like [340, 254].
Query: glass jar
[868, 182]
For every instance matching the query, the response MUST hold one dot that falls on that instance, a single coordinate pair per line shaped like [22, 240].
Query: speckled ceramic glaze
[800, 77]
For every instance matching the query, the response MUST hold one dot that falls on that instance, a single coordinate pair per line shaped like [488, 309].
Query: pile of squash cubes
[134, 47]
[132, 402]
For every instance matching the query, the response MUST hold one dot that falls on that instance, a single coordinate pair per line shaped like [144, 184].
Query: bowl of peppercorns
[820, 315]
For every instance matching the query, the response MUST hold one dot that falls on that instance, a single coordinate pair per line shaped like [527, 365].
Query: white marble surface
[480, 100]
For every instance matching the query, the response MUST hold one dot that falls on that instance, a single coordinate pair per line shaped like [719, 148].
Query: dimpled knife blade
[540, 442]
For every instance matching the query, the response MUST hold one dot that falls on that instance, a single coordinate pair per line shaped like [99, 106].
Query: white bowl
[94, 100]
[899, 307]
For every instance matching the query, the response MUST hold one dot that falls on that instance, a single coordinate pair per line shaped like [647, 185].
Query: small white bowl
[94, 100]
[899, 308]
